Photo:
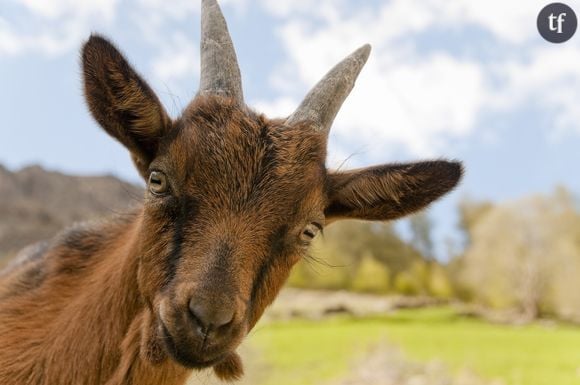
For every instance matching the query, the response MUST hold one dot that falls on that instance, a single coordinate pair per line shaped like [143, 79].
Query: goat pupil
[155, 179]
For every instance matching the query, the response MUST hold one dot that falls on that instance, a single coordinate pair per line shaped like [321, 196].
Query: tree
[470, 213]
[421, 226]
[371, 276]
[337, 256]
[522, 253]
[439, 284]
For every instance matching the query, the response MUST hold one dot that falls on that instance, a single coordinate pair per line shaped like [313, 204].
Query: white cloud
[419, 100]
[56, 27]
[176, 9]
[416, 104]
[280, 107]
[325, 9]
[550, 77]
[53, 26]
[67, 36]
[175, 61]
[178, 60]
[53, 9]
[400, 98]
[168, 11]
[174, 69]
[404, 97]
[513, 22]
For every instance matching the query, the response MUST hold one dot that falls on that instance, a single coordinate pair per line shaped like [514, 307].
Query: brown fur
[117, 302]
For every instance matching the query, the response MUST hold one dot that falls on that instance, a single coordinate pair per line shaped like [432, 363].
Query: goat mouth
[184, 354]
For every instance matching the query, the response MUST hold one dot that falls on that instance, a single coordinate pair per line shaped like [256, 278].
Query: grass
[308, 352]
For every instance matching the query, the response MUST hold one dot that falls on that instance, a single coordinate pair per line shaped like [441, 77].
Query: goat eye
[309, 232]
[157, 183]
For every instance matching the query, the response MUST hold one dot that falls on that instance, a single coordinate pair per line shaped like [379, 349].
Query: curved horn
[220, 73]
[322, 103]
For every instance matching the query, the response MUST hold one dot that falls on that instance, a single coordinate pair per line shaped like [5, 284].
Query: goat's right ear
[122, 102]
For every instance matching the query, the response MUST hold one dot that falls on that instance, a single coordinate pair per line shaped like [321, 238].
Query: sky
[464, 79]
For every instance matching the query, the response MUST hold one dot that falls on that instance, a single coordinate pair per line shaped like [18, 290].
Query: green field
[308, 352]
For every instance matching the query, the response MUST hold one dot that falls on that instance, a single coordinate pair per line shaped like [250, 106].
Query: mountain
[35, 203]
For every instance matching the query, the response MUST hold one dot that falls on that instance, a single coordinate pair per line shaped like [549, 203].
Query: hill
[36, 203]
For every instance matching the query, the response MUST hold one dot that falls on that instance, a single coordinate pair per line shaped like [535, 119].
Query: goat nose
[210, 316]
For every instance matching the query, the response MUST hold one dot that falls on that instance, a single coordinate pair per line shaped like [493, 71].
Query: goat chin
[230, 368]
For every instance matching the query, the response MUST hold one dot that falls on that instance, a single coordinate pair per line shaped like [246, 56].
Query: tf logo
[557, 22]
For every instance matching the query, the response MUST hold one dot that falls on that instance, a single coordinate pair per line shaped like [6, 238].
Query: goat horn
[323, 101]
[220, 73]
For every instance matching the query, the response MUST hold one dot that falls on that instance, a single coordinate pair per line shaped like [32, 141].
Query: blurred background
[483, 288]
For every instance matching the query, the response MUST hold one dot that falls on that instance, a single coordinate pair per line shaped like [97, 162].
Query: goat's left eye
[158, 183]
[310, 232]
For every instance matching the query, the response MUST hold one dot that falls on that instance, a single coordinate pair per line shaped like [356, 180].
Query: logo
[557, 23]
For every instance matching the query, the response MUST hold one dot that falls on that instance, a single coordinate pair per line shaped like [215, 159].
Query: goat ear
[122, 102]
[389, 191]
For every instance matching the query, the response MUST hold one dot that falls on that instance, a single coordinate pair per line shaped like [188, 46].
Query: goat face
[233, 198]
[233, 202]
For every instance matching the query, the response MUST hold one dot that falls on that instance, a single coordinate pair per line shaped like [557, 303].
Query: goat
[233, 201]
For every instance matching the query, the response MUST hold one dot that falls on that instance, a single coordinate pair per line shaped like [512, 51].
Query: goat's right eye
[158, 183]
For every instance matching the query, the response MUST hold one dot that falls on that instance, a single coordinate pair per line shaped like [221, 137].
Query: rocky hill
[35, 203]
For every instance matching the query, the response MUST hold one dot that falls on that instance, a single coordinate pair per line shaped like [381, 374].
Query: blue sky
[464, 79]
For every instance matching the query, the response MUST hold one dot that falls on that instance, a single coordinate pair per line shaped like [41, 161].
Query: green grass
[307, 352]
[303, 352]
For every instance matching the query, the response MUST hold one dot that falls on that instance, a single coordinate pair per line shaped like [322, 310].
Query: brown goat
[233, 201]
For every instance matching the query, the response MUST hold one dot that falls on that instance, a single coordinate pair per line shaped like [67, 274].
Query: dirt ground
[385, 365]
[311, 304]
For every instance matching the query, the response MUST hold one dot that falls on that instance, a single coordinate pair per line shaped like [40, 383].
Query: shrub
[371, 276]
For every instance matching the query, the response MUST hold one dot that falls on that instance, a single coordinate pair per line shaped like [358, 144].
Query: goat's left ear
[122, 102]
[389, 191]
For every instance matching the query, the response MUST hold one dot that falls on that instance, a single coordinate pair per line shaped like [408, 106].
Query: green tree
[337, 255]
[371, 276]
[439, 284]
[421, 228]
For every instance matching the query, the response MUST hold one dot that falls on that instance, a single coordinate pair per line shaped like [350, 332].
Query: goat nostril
[208, 316]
